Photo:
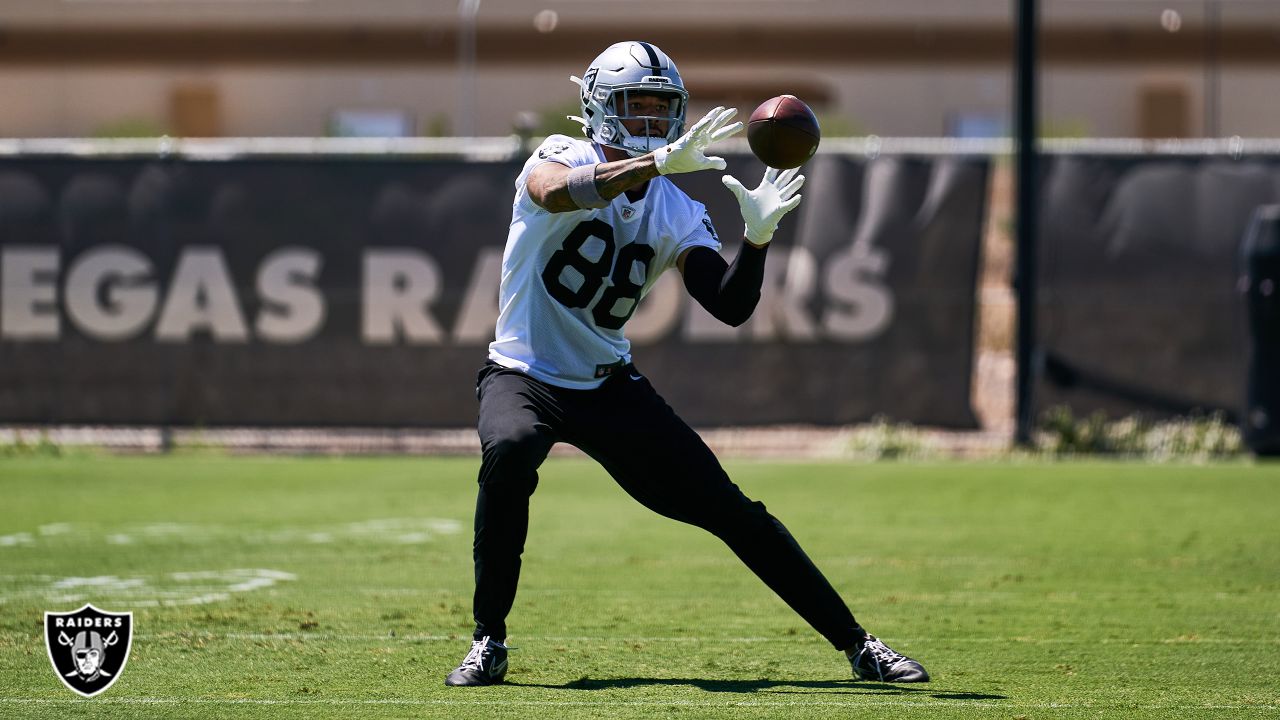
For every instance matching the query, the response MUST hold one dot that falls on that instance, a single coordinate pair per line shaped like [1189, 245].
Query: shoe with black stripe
[881, 663]
[486, 664]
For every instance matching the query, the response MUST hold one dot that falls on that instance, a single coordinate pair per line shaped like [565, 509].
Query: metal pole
[1027, 214]
[1212, 26]
[467, 11]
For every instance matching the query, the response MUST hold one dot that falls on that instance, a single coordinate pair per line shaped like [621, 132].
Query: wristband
[582, 188]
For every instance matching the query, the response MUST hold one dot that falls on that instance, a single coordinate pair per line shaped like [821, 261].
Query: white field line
[370, 637]
[855, 700]
[138, 591]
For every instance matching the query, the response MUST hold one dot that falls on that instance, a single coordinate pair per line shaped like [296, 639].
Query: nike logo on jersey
[637, 377]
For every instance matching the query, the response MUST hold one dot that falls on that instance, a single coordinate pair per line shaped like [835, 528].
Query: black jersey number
[593, 273]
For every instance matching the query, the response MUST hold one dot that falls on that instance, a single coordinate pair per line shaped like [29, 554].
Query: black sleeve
[728, 292]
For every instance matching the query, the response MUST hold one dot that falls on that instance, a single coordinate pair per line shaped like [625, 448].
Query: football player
[594, 224]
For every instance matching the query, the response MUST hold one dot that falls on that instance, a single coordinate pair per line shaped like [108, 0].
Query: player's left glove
[763, 208]
[688, 154]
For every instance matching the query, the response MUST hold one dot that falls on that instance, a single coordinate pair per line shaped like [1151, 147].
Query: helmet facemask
[651, 137]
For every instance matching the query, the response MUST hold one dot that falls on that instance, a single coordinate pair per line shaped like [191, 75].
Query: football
[783, 132]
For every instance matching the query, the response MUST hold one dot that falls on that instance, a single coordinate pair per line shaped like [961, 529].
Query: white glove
[764, 207]
[686, 154]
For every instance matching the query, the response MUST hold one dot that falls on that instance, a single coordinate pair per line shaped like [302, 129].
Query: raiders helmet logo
[552, 149]
[589, 83]
[88, 647]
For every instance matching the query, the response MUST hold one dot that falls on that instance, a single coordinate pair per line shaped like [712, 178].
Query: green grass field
[316, 588]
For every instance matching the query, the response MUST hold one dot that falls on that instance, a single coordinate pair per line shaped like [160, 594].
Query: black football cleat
[879, 662]
[486, 664]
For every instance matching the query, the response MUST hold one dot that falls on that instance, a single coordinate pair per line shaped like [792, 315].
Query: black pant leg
[517, 421]
[661, 462]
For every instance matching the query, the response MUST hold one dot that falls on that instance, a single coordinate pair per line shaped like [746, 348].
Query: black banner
[305, 291]
[1140, 309]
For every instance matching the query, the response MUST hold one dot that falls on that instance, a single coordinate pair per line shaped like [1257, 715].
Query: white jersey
[571, 280]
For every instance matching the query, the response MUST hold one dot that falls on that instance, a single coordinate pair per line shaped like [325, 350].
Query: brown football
[783, 132]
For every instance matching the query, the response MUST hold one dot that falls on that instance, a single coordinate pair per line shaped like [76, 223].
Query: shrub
[882, 440]
[1193, 438]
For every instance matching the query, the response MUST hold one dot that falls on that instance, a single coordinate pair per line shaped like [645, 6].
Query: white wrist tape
[582, 188]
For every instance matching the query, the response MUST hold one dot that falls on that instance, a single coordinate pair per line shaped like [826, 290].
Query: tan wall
[903, 101]
[872, 66]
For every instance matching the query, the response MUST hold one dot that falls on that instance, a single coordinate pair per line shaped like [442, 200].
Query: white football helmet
[624, 68]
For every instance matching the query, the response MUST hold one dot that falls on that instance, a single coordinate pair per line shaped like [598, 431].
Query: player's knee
[517, 452]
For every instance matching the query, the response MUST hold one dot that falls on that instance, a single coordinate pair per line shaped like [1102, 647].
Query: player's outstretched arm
[552, 185]
[557, 188]
[730, 292]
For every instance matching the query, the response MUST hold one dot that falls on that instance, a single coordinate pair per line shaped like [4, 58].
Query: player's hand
[688, 153]
[764, 207]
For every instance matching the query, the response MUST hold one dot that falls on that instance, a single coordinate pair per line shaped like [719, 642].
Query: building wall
[922, 68]
[293, 101]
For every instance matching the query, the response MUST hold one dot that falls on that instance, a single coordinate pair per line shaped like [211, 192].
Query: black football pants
[661, 462]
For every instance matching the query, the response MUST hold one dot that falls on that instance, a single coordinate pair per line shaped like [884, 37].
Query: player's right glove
[763, 208]
[688, 153]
